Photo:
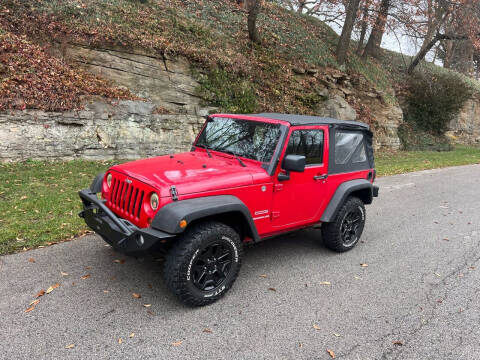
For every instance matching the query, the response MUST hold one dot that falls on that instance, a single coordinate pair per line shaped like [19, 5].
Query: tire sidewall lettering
[189, 268]
[232, 244]
[362, 212]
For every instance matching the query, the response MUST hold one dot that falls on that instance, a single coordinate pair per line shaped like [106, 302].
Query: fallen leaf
[34, 302]
[119, 261]
[178, 343]
[50, 289]
[120, 340]
[316, 327]
[86, 276]
[300, 345]
[105, 291]
[325, 283]
[40, 293]
[446, 239]
[331, 353]
[272, 289]
[30, 309]
[63, 273]
[357, 277]
[364, 265]
[147, 305]
[438, 274]
[136, 295]
[32, 260]
[263, 275]
[337, 335]
[131, 335]
[71, 346]
[397, 342]
[150, 312]
[207, 330]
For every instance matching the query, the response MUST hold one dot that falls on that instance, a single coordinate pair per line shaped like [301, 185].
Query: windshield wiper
[236, 156]
[206, 149]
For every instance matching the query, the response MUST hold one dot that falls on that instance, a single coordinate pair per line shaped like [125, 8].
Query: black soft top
[297, 120]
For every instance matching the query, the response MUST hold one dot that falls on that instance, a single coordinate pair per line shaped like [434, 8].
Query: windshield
[249, 139]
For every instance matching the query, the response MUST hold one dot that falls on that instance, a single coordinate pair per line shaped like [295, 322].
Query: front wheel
[344, 232]
[204, 263]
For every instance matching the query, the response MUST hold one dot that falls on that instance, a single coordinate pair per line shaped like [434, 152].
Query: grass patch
[39, 201]
[391, 163]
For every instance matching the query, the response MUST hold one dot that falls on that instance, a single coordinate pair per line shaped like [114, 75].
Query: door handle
[320, 177]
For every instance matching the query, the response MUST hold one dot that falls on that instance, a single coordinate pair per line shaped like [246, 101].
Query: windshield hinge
[174, 193]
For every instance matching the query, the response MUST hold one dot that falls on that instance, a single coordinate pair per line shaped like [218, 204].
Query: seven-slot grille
[126, 198]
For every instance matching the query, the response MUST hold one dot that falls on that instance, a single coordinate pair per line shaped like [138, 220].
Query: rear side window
[349, 147]
[308, 143]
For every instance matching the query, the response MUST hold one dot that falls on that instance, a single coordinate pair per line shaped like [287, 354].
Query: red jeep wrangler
[247, 178]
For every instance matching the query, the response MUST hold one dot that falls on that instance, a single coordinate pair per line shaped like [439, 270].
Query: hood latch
[174, 193]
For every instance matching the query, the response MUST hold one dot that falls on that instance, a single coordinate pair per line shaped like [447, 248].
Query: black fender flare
[341, 194]
[96, 185]
[168, 217]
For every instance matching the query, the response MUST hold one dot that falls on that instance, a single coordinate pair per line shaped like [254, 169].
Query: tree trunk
[344, 41]
[301, 6]
[363, 31]
[253, 7]
[375, 40]
[422, 53]
[462, 57]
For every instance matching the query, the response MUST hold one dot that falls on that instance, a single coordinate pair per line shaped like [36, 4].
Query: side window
[349, 146]
[308, 143]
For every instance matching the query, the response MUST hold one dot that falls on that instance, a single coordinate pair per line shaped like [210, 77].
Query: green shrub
[230, 92]
[414, 138]
[434, 100]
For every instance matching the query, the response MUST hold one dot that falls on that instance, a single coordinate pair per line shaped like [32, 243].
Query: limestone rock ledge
[128, 130]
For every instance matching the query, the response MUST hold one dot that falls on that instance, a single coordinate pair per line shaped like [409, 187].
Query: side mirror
[295, 163]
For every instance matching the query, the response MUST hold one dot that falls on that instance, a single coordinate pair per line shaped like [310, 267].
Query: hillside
[289, 72]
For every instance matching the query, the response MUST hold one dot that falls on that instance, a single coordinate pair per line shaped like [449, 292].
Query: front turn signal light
[154, 201]
[183, 224]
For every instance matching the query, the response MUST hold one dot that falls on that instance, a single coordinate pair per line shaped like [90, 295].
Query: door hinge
[278, 187]
[275, 214]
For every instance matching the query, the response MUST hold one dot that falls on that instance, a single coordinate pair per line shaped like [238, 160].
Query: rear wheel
[345, 231]
[204, 263]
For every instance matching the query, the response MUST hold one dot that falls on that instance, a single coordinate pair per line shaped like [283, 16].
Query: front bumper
[120, 233]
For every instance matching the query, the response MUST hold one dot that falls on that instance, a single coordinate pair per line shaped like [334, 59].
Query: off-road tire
[178, 273]
[332, 235]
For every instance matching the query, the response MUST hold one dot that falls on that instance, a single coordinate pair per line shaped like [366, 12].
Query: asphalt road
[420, 289]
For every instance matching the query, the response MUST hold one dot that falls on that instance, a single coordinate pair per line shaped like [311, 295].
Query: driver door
[299, 199]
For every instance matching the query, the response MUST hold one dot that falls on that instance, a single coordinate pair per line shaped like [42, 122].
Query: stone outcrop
[465, 128]
[128, 130]
[336, 107]
[166, 122]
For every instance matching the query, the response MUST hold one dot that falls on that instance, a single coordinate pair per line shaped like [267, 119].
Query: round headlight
[109, 180]
[154, 201]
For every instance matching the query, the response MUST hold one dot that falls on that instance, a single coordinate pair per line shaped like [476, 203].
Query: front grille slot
[140, 204]
[126, 198]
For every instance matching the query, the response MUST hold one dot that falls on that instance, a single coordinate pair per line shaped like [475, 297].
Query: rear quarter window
[349, 147]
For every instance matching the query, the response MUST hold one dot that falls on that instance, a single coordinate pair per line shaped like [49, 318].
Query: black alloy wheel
[350, 226]
[212, 266]
[344, 232]
[203, 263]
